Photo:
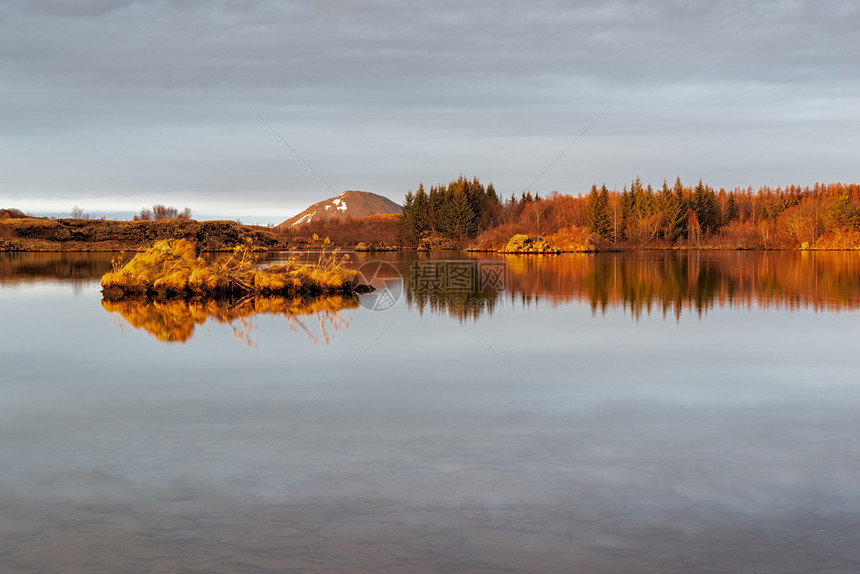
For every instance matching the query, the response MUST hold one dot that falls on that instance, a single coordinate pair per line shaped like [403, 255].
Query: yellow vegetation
[174, 320]
[524, 244]
[171, 267]
[571, 239]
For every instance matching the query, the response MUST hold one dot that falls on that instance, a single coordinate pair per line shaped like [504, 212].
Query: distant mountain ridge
[354, 204]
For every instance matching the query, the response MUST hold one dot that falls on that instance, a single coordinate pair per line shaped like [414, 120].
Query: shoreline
[34, 235]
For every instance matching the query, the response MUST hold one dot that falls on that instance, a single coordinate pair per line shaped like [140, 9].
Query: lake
[600, 413]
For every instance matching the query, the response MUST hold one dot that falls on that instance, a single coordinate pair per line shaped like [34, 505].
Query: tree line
[468, 213]
[772, 217]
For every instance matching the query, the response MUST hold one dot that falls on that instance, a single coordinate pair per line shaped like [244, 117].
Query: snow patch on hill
[353, 204]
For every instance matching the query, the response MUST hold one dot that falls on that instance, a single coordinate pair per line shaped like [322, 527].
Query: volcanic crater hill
[349, 204]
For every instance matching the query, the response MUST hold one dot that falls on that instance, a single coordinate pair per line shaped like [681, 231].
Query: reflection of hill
[175, 319]
[72, 267]
[671, 282]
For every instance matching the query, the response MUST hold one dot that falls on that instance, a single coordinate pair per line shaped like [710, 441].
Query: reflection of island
[666, 282]
[174, 320]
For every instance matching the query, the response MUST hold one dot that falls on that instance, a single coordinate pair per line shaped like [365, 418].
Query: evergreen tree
[597, 211]
[491, 193]
[673, 207]
[841, 214]
[435, 205]
[603, 198]
[684, 202]
[731, 207]
[492, 207]
[420, 212]
[477, 196]
[406, 230]
[641, 202]
[627, 202]
[458, 220]
[703, 202]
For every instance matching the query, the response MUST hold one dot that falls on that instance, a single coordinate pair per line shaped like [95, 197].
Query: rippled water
[668, 412]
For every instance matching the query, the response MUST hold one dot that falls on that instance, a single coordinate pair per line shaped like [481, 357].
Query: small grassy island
[172, 268]
[521, 243]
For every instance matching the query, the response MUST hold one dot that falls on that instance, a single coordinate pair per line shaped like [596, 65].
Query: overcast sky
[117, 105]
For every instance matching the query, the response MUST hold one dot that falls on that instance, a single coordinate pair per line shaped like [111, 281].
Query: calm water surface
[662, 412]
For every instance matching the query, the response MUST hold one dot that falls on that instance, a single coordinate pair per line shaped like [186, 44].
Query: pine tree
[492, 208]
[703, 202]
[841, 214]
[641, 202]
[731, 207]
[626, 210]
[406, 230]
[420, 212]
[435, 205]
[597, 211]
[477, 197]
[603, 198]
[458, 220]
[673, 207]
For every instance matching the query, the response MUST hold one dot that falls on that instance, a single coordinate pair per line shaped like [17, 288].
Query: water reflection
[174, 320]
[667, 282]
[74, 268]
[532, 442]
[464, 287]
[671, 283]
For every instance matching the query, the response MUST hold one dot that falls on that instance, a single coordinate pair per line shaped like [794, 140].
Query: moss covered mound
[524, 244]
[172, 268]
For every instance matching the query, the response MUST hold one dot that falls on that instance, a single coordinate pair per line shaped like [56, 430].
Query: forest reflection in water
[471, 285]
[174, 320]
[667, 282]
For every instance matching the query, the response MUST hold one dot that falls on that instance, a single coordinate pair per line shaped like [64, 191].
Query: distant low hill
[14, 214]
[349, 204]
[32, 234]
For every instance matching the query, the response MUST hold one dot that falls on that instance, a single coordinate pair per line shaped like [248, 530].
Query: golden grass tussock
[171, 267]
[174, 320]
[521, 243]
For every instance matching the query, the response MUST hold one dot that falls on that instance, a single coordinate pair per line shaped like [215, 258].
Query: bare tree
[159, 212]
[144, 215]
[78, 213]
[163, 212]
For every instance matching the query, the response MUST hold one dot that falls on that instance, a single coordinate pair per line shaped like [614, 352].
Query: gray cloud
[157, 98]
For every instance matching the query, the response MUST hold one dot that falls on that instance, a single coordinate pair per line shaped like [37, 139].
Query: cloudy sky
[244, 108]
